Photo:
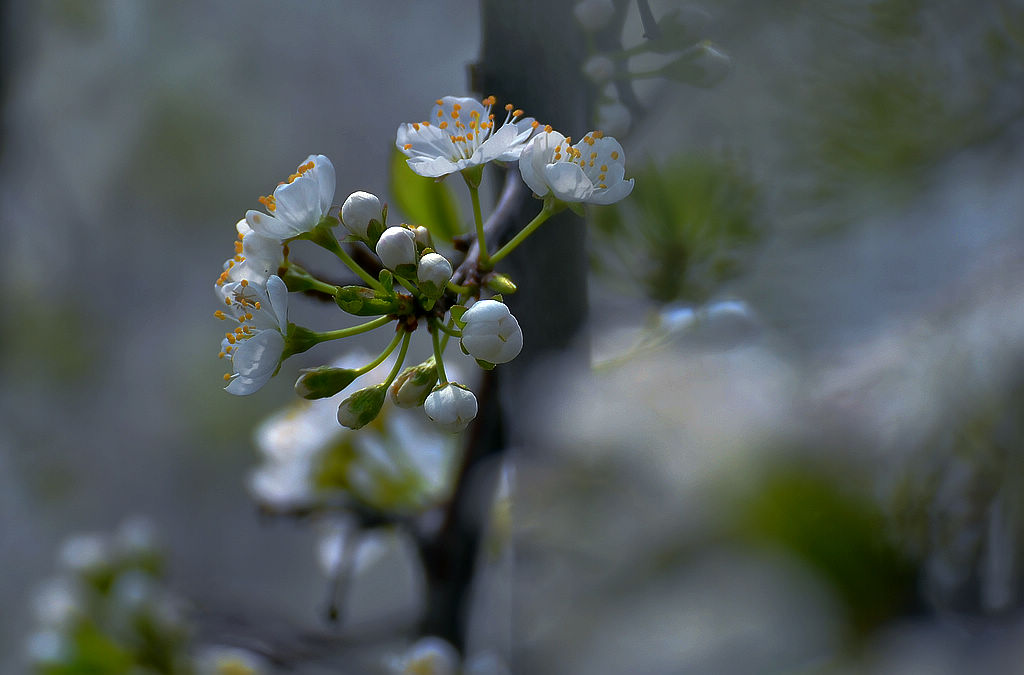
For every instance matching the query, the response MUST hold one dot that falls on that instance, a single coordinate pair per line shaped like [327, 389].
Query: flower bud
[423, 238]
[358, 211]
[593, 15]
[599, 69]
[491, 333]
[413, 385]
[362, 407]
[324, 381]
[451, 407]
[434, 273]
[500, 283]
[397, 251]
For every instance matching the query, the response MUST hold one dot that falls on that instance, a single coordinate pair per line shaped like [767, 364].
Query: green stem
[354, 330]
[461, 290]
[325, 238]
[383, 355]
[441, 377]
[323, 287]
[549, 209]
[485, 262]
[401, 359]
[449, 330]
[409, 286]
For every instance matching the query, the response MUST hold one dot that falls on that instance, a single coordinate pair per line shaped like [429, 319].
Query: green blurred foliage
[424, 201]
[683, 230]
[836, 529]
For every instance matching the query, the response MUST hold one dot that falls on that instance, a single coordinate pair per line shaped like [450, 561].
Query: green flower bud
[324, 381]
[362, 407]
[413, 385]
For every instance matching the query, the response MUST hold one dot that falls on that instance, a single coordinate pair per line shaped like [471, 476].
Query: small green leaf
[424, 200]
[387, 279]
[457, 311]
[486, 365]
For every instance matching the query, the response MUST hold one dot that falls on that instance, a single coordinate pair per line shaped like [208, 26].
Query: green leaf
[457, 311]
[424, 201]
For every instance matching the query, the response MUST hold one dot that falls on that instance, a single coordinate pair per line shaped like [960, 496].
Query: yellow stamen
[615, 154]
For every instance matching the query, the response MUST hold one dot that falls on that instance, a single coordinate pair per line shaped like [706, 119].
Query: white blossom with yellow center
[298, 203]
[461, 134]
[256, 257]
[255, 345]
[590, 172]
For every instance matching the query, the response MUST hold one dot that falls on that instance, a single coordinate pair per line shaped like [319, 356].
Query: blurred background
[798, 450]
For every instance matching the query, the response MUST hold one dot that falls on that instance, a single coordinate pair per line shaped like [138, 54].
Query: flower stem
[325, 238]
[401, 359]
[549, 210]
[449, 330]
[409, 286]
[441, 377]
[485, 262]
[457, 288]
[354, 330]
[383, 355]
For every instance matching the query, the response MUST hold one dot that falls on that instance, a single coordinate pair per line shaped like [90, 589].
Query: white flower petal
[268, 226]
[568, 182]
[323, 173]
[277, 291]
[298, 204]
[259, 355]
[613, 194]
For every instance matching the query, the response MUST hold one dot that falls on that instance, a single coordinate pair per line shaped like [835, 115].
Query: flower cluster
[107, 611]
[404, 280]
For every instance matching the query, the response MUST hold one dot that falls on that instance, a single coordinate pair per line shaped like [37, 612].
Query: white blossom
[396, 247]
[591, 171]
[451, 407]
[358, 210]
[255, 345]
[491, 332]
[256, 257]
[461, 134]
[593, 15]
[298, 203]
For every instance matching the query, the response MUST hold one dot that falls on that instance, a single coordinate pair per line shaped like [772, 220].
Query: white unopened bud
[599, 69]
[491, 333]
[451, 407]
[357, 212]
[423, 237]
[593, 15]
[413, 385]
[397, 248]
[434, 273]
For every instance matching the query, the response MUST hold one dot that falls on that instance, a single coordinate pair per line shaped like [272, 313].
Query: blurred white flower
[85, 552]
[230, 661]
[298, 203]
[401, 463]
[56, 602]
[256, 344]
[599, 69]
[593, 15]
[491, 332]
[591, 172]
[427, 656]
[460, 134]
[451, 407]
[615, 119]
